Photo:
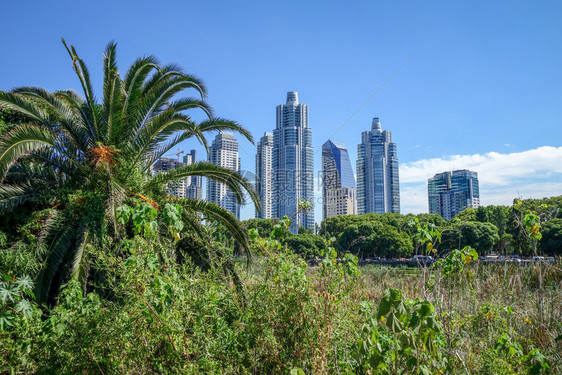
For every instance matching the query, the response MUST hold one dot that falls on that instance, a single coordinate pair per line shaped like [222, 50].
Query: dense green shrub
[375, 239]
[308, 245]
[481, 236]
[551, 241]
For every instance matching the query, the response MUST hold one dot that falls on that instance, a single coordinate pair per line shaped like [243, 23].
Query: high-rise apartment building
[451, 192]
[194, 189]
[293, 163]
[378, 186]
[189, 187]
[224, 152]
[264, 175]
[339, 193]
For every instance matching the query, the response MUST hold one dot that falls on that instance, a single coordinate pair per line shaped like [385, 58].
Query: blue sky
[481, 89]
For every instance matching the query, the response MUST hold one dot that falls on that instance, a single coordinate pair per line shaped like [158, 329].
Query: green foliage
[482, 215]
[481, 236]
[375, 239]
[83, 159]
[13, 304]
[263, 226]
[455, 262]
[551, 241]
[424, 235]
[143, 218]
[405, 338]
[532, 225]
[308, 245]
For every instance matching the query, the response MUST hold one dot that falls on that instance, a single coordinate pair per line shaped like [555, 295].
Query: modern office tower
[451, 192]
[194, 189]
[339, 193]
[378, 186]
[293, 163]
[264, 175]
[224, 152]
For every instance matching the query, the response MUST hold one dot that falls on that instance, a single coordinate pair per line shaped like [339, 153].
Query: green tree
[500, 217]
[335, 225]
[309, 245]
[373, 238]
[480, 236]
[263, 226]
[551, 241]
[482, 214]
[83, 157]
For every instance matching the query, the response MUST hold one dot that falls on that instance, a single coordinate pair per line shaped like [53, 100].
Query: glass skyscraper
[264, 175]
[339, 193]
[451, 192]
[378, 186]
[293, 163]
[224, 152]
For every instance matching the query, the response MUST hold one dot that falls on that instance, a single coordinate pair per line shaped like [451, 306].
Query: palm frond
[134, 79]
[219, 214]
[59, 240]
[217, 124]
[155, 101]
[192, 103]
[11, 196]
[81, 261]
[61, 110]
[84, 76]
[24, 106]
[149, 141]
[111, 112]
[232, 179]
[163, 148]
[170, 71]
[80, 107]
[21, 141]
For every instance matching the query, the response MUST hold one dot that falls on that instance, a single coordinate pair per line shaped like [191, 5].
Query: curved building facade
[339, 192]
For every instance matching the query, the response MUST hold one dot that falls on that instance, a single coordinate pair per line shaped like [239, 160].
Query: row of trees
[489, 229]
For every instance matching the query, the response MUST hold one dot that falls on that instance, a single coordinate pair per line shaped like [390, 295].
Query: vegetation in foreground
[102, 272]
[151, 314]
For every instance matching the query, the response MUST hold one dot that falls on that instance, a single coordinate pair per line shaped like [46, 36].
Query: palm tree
[82, 157]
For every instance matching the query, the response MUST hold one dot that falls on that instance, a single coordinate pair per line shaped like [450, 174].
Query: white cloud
[493, 167]
[535, 173]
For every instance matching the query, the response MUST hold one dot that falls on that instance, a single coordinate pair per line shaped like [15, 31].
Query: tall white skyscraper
[339, 194]
[264, 175]
[224, 152]
[378, 186]
[293, 163]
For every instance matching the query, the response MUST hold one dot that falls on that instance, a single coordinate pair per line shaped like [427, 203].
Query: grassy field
[494, 318]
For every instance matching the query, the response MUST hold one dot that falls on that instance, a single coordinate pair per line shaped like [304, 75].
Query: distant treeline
[489, 229]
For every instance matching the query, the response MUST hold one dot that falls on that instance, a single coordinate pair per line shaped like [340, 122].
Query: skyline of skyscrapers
[339, 192]
[264, 175]
[284, 173]
[224, 153]
[449, 193]
[378, 185]
[293, 163]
